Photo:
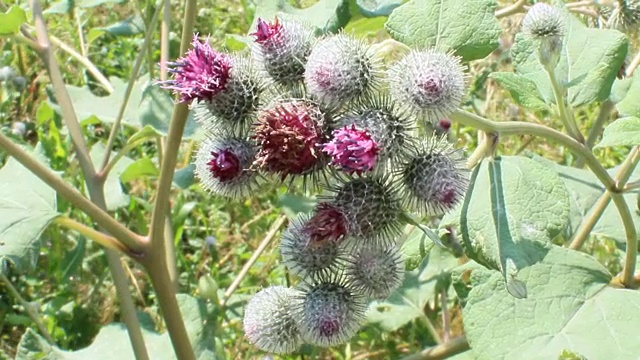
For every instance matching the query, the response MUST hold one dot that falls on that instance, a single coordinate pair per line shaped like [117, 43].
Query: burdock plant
[306, 102]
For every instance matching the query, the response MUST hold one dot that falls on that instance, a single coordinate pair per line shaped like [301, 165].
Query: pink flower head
[200, 74]
[224, 165]
[327, 224]
[266, 31]
[288, 135]
[352, 149]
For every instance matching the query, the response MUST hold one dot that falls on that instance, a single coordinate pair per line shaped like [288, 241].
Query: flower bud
[288, 134]
[545, 24]
[282, 49]
[341, 68]
[305, 255]
[375, 271]
[234, 108]
[434, 178]
[223, 166]
[328, 223]
[268, 321]
[370, 206]
[329, 312]
[429, 83]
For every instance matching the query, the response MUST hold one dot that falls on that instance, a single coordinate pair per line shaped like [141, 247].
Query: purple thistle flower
[266, 31]
[200, 74]
[352, 149]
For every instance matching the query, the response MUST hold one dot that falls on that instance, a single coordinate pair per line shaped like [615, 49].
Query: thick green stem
[442, 351]
[612, 186]
[524, 128]
[156, 262]
[95, 185]
[101, 238]
[623, 175]
[632, 241]
[486, 147]
[33, 314]
[565, 114]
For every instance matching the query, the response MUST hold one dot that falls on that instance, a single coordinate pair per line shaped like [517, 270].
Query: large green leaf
[113, 192]
[326, 15]
[27, 205]
[469, 28]
[156, 108]
[514, 207]
[569, 307]
[629, 104]
[622, 132]
[113, 342]
[89, 107]
[522, 90]
[148, 105]
[585, 189]
[589, 62]
[11, 20]
[418, 289]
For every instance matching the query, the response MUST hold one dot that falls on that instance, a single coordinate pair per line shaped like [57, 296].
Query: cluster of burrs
[325, 109]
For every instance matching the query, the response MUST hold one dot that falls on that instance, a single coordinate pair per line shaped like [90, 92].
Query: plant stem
[132, 241]
[431, 328]
[442, 351]
[486, 147]
[95, 185]
[633, 65]
[603, 115]
[623, 175]
[156, 262]
[632, 241]
[514, 8]
[62, 96]
[102, 80]
[164, 39]
[166, 295]
[565, 114]
[101, 238]
[256, 254]
[115, 128]
[524, 128]
[28, 308]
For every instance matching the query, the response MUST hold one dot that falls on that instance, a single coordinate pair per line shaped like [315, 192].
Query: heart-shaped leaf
[469, 28]
[569, 307]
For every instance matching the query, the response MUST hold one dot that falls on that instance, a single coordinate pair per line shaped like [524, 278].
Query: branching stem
[442, 351]
[565, 114]
[101, 238]
[514, 8]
